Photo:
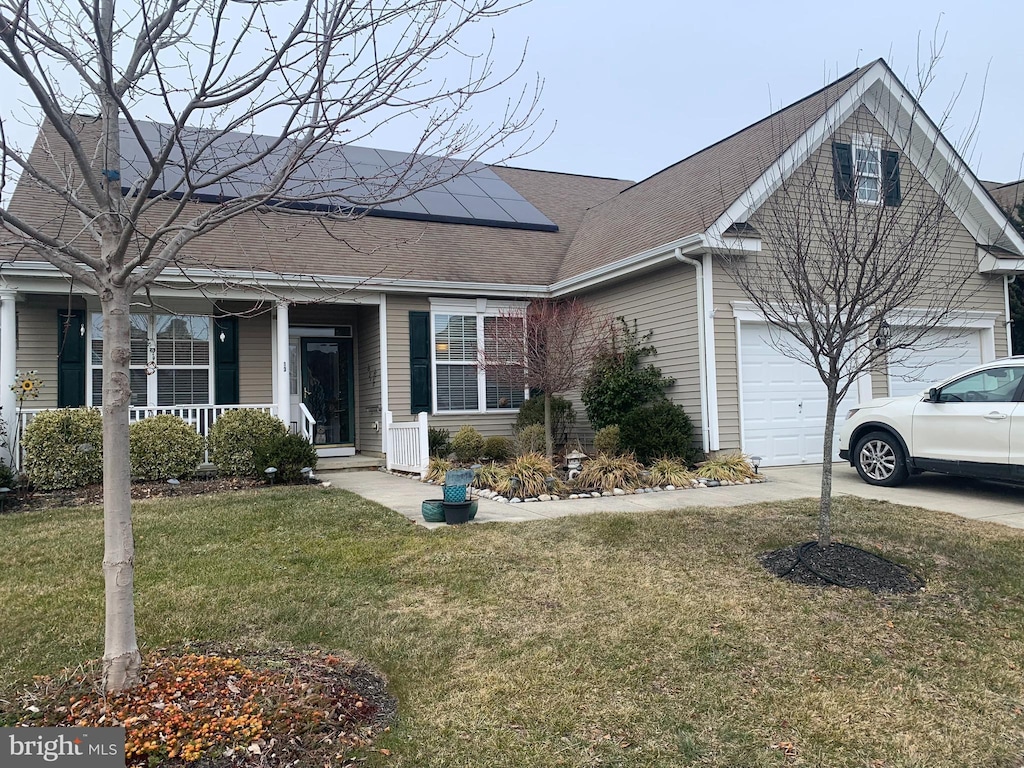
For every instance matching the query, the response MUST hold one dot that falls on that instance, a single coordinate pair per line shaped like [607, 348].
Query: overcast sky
[634, 87]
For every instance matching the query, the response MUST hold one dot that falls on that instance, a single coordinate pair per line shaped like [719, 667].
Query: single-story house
[360, 332]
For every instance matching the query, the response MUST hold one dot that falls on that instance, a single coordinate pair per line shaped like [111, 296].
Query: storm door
[327, 389]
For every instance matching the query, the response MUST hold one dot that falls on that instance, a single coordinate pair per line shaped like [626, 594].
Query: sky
[630, 88]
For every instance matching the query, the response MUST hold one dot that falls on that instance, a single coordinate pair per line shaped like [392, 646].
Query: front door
[327, 389]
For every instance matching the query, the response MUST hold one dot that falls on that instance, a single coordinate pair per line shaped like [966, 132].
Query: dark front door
[327, 389]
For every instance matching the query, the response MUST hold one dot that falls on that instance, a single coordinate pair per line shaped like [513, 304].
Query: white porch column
[8, 366]
[382, 319]
[284, 396]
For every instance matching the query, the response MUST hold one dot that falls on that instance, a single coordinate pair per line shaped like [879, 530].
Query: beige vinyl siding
[369, 416]
[664, 302]
[255, 370]
[986, 293]
[37, 336]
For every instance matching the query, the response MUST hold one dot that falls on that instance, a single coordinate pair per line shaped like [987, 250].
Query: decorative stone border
[487, 493]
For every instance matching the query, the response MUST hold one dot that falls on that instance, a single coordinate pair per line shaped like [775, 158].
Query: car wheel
[879, 460]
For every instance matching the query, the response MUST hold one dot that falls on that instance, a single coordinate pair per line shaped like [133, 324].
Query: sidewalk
[974, 500]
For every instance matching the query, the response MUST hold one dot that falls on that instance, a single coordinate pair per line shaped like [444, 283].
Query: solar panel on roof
[334, 176]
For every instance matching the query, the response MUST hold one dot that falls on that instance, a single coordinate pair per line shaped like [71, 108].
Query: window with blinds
[171, 359]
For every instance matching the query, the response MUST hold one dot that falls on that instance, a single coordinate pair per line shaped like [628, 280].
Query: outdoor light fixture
[3, 496]
[222, 337]
[756, 462]
[270, 472]
[174, 483]
[307, 472]
[884, 334]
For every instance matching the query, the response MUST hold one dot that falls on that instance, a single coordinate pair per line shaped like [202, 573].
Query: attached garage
[782, 401]
[943, 353]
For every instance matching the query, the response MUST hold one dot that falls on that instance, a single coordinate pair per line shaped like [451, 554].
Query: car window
[995, 385]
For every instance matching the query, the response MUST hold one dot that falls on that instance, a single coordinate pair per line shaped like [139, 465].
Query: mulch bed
[839, 565]
[210, 706]
[21, 501]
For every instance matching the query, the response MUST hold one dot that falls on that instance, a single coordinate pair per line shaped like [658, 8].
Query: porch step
[348, 464]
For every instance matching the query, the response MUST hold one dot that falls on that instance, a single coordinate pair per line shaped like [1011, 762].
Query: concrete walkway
[967, 498]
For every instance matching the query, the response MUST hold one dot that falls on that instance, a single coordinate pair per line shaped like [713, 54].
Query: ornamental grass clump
[606, 473]
[163, 447]
[64, 448]
[437, 469]
[731, 467]
[528, 475]
[670, 472]
[488, 475]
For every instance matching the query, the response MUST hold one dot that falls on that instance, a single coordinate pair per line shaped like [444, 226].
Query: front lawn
[597, 640]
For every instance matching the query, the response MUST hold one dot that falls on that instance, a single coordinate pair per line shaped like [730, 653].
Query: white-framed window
[458, 333]
[867, 168]
[171, 360]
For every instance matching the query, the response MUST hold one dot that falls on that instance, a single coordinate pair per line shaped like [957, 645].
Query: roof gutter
[706, 348]
[641, 261]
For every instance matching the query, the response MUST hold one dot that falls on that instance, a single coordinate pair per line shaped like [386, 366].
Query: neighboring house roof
[1008, 195]
[689, 196]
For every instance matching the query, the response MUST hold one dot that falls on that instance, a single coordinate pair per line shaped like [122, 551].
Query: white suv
[971, 425]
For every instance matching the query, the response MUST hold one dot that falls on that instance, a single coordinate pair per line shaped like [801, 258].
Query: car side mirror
[933, 395]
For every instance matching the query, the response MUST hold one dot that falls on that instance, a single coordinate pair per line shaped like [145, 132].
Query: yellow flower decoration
[26, 385]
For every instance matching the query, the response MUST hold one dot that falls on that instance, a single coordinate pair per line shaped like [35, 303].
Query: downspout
[1007, 279]
[706, 353]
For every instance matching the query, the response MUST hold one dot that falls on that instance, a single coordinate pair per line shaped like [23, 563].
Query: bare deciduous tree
[548, 346]
[246, 95]
[861, 258]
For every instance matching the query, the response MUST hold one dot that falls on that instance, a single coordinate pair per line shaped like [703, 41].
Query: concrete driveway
[973, 499]
[967, 498]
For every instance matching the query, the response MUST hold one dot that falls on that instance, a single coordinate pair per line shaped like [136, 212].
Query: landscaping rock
[544, 497]
[595, 494]
[670, 487]
[713, 483]
[574, 495]
[515, 500]
[606, 493]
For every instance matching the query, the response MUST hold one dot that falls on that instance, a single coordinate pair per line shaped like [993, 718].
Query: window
[867, 169]
[171, 360]
[459, 331]
[995, 385]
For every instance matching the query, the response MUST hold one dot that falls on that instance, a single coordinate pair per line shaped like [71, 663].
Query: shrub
[437, 468]
[289, 453]
[617, 381]
[498, 448]
[530, 440]
[163, 447]
[468, 444]
[658, 429]
[606, 473]
[563, 417]
[439, 441]
[8, 477]
[670, 472]
[730, 467]
[608, 440]
[64, 448]
[234, 436]
[528, 475]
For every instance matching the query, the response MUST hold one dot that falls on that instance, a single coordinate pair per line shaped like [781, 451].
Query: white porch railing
[307, 424]
[407, 447]
[201, 417]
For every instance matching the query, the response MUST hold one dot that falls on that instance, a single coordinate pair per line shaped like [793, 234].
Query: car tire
[880, 460]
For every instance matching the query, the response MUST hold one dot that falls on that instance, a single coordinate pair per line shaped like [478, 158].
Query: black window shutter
[71, 359]
[842, 166]
[891, 177]
[225, 361]
[419, 361]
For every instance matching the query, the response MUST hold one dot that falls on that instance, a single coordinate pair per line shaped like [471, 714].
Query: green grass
[602, 640]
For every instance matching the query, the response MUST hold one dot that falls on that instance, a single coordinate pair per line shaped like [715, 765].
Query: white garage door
[945, 353]
[783, 402]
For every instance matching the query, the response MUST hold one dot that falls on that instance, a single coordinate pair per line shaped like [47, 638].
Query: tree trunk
[121, 658]
[825, 506]
[549, 443]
